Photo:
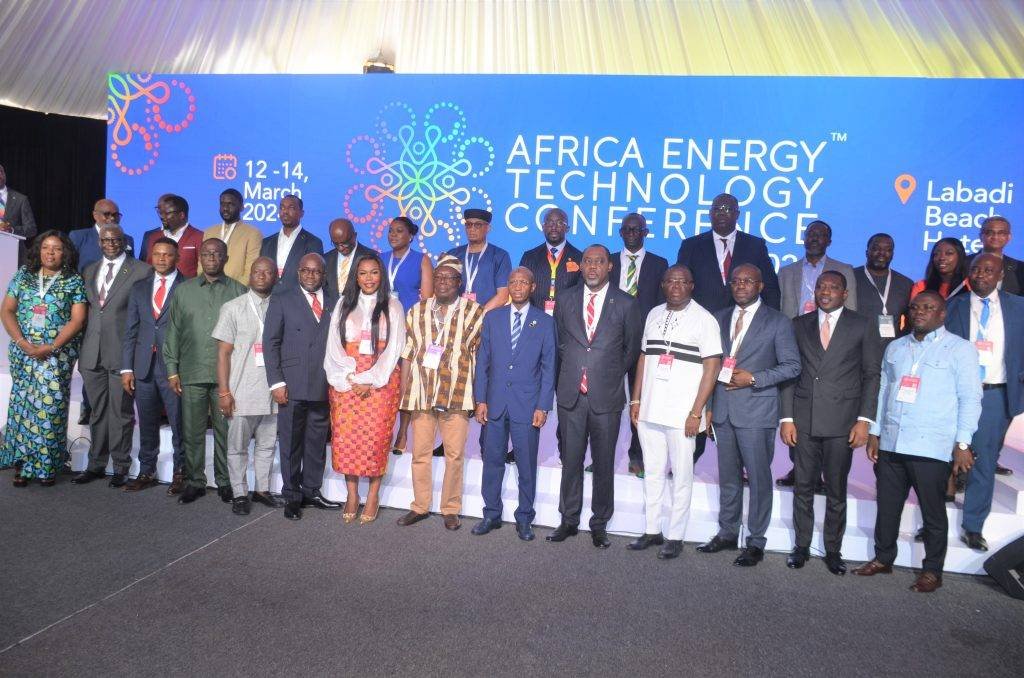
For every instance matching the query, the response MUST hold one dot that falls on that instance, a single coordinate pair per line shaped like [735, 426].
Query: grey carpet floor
[100, 582]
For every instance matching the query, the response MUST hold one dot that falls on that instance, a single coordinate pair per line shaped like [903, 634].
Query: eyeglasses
[723, 208]
[211, 254]
[446, 277]
[108, 215]
[311, 271]
[110, 241]
[743, 282]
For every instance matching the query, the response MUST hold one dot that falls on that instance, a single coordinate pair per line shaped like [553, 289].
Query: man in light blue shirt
[929, 403]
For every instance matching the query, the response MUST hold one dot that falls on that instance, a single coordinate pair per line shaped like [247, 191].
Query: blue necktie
[517, 327]
[982, 326]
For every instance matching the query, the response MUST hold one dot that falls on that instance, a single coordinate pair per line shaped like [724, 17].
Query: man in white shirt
[682, 354]
[290, 244]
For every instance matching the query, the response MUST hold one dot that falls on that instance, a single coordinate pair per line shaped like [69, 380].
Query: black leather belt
[990, 386]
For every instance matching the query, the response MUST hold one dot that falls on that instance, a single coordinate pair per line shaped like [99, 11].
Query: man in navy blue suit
[290, 244]
[638, 273]
[515, 387]
[712, 255]
[994, 321]
[143, 371]
[294, 345]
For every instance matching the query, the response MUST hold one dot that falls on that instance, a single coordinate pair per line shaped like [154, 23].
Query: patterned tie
[826, 332]
[738, 328]
[590, 337]
[158, 298]
[631, 275]
[517, 327]
[727, 262]
[982, 326]
[554, 252]
[346, 263]
[318, 310]
[106, 284]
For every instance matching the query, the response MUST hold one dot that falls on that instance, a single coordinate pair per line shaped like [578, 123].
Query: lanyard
[917, 363]
[471, 272]
[440, 340]
[393, 272]
[669, 322]
[956, 289]
[553, 264]
[227, 236]
[259, 320]
[881, 295]
[43, 289]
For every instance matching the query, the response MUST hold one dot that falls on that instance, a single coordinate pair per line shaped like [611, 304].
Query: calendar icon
[225, 166]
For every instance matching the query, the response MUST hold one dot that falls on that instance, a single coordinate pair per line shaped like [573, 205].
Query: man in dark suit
[87, 240]
[555, 264]
[174, 216]
[15, 214]
[143, 370]
[340, 260]
[108, 284]
[994, 320]
[288, 246]
[995, 236]
[882, 293]
[761, 354]
[294, 345]
[827, 412]
[515, 388]
[599, 331]
[638, 273]
[712, 255]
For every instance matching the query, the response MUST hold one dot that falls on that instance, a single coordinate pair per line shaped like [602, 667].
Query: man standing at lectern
[15, 213]
[599, 332]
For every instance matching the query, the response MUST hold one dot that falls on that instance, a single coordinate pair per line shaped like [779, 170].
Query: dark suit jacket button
[588, 350]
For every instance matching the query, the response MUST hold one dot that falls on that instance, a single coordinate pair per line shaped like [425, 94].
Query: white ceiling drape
[54, 54]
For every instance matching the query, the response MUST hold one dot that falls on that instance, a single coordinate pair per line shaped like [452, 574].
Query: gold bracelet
[224, 395]
[694, 416]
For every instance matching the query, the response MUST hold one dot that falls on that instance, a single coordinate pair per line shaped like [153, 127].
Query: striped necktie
[982, 326]
[517, 328]
[631, 275]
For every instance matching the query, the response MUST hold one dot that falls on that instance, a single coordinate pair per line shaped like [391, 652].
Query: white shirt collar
[558, 248]
[750, 310]
[281, 233]
[832, 316]
[117, 261]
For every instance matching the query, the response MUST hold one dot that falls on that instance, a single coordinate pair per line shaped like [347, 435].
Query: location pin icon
[905, 185]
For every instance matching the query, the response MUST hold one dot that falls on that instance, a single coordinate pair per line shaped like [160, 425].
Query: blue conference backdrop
[921, 159]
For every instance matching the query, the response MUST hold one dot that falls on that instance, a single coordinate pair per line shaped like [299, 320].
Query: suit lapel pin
[533, 323]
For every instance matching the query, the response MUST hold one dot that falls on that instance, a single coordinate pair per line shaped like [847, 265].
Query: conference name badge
[471, 296]
[365, 347]
[432, 358]
[886, 327]
[39, 316]
[664, 370]
[257, 353]
[909, 386]
[985, 355]
[549, 306]
[728, 365]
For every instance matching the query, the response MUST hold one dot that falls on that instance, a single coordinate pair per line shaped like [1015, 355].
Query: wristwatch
[753, 382]
[963, 447]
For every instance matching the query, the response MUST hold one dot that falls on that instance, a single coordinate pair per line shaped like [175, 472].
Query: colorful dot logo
[137, 133]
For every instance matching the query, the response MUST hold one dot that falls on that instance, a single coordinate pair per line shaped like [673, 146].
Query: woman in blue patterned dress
[44, 313]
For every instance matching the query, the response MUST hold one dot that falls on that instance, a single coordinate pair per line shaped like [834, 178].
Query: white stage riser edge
[396, 492]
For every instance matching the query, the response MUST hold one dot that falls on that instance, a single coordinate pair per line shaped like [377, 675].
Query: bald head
[343, 235]
[105, 211]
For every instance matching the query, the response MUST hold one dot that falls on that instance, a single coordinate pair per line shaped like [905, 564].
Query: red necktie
[318, 310]
[590, 337]
[727, 262]
[158, 298]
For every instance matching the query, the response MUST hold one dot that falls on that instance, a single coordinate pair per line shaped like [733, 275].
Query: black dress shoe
[293, 510]
[411, 518]
[749, 557]
[83, 416]
[1003, 471]
[819, 487]
[645, 541]
[439, 450]
[87, 476]
[718, 544]
[919, 536]
[118, 480]
[485, 526]
[225, 494]
[788, 480]
[563, 532]
[671, 549]
[797, 557]
[241, 506]
[525, 532]
[510, 457]
[835, 563]
[974, 541]
[267, 499]
[190, 494]
[317, 500]
[600, 539]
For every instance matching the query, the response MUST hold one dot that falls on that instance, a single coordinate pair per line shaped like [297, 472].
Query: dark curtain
[58, 161]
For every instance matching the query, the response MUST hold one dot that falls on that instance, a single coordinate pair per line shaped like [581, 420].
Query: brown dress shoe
[143, 481]
[412, 518]
[873, 567]
[927, 582]
[177, 484]
[452, 522]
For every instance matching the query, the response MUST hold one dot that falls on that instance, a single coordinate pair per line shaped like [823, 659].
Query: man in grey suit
[761, 353]
[108, 284]
[797, 281]
[599, 331]
[826, 413]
